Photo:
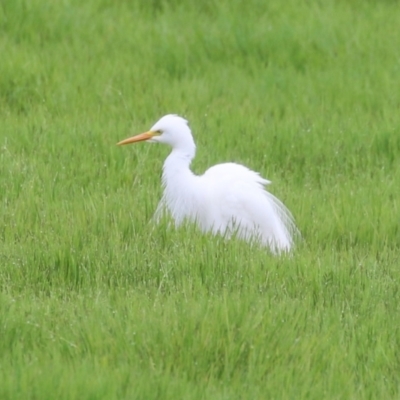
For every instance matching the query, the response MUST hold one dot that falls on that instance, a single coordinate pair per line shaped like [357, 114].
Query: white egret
[227, 199]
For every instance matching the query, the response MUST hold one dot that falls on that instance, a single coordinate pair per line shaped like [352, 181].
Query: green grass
[96, 302]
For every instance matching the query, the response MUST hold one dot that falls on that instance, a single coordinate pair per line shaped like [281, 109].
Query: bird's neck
[177, 164]
[180, 184]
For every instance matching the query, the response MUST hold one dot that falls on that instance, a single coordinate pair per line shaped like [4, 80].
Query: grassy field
[98, 303]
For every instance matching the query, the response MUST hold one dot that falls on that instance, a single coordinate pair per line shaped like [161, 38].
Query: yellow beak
[138, 138]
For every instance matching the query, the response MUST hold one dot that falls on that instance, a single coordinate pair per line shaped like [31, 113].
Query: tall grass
[96, 301]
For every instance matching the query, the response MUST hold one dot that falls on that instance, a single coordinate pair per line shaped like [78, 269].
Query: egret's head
[170, 129]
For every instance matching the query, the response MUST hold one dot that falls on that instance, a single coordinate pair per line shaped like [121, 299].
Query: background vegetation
[96, 302]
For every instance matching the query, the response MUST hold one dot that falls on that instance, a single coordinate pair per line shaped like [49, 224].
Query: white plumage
[227, 199]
